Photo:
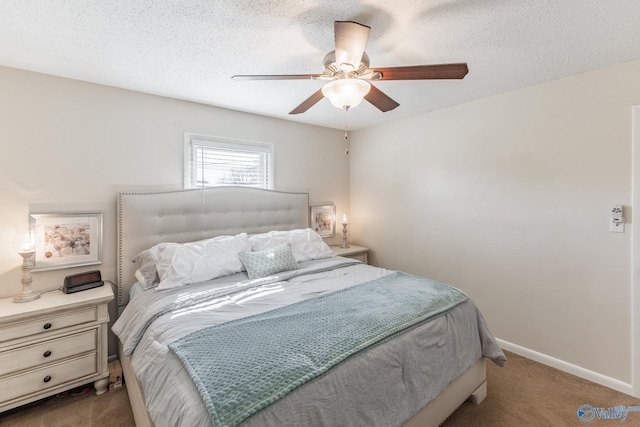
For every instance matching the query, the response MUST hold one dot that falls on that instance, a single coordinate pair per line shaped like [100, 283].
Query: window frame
[222, 143]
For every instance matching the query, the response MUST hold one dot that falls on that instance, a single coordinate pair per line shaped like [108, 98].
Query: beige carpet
[110, 409]
[523, 393]
[526, 393]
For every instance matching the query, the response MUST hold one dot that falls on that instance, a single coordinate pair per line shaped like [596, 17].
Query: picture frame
[323, 219]
[65, 240]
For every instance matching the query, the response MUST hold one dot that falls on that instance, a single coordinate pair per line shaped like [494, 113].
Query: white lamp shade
[346, 93]
[25, 240]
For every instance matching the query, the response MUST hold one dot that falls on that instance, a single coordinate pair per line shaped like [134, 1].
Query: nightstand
[353, 251]
[52, 344]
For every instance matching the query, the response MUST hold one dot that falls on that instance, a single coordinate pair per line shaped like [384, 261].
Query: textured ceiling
[189, 49]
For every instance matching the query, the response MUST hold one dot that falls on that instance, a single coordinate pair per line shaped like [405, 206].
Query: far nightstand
[52, 344]
[353, 251]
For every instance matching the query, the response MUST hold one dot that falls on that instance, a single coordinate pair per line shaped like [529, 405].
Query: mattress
[384, 385]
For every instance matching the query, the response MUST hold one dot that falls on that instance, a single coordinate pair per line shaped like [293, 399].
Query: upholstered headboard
[146, 219]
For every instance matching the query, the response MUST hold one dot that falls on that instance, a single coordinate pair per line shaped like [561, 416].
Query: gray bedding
[384, 385]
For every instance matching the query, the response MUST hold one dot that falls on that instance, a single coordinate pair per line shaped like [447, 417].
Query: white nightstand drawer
[47, 352]
[52, 344]
[48, 323]
[48, 377]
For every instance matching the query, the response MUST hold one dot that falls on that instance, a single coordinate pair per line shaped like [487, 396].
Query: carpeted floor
[527, 393]
[111, 409]
[523, 393]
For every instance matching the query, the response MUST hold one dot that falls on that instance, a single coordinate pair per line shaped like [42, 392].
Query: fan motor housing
[333, 69]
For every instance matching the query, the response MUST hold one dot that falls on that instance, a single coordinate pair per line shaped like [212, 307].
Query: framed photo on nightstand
[323, 220]
[67, 240]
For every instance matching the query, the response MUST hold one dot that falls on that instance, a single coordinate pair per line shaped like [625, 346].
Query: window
[210, 161]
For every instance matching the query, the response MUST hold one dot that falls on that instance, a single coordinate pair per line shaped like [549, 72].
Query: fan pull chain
[346, 130]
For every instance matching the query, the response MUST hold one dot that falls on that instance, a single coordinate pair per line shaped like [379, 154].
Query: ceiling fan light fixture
[346, 93]
[347, 66]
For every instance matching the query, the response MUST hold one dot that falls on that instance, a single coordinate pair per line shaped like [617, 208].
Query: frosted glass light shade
[24, 240]
[346, 93]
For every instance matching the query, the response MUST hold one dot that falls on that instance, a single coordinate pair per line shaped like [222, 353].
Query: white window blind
[211, 161]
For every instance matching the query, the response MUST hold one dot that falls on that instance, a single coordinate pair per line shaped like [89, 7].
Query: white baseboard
[567, 367]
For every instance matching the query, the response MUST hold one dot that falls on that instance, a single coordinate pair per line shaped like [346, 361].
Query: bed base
[134, 390]
[471, 385]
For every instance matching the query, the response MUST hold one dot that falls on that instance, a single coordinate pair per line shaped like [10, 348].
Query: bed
[416, 376]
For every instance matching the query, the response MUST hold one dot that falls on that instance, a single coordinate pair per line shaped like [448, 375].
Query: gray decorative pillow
[146, 273]
[269, 261]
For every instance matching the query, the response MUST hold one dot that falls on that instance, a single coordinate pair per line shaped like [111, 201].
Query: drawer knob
[47, 325]
[47, 379]
[47, 353]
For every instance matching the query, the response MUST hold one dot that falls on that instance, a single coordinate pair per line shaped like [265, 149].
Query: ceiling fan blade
[424, 72]
[276, 76]
[380, 100]
[351, 39]
[308, 103]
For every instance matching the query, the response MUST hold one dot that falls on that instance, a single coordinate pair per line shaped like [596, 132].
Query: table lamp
[25, 244]
[345, 222]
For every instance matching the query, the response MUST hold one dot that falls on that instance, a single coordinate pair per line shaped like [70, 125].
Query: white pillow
[305, 244]
[181, 264]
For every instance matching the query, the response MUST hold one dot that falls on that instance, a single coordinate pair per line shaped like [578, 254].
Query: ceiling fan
[349, 75]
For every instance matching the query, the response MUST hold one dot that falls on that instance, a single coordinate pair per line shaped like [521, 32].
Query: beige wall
[508, 198]
[66, 145]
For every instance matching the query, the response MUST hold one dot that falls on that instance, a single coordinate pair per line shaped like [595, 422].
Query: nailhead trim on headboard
[146, 219]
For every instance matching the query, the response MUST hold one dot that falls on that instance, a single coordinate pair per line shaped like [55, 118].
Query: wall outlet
[617, 227]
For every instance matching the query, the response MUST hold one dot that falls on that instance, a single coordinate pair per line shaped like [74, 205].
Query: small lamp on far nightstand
[25, 244]
[345, 222]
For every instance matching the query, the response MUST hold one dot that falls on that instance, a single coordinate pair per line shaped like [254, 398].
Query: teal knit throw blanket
[242, 366]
